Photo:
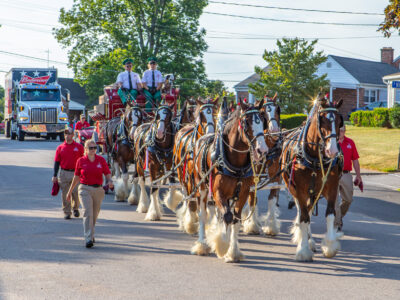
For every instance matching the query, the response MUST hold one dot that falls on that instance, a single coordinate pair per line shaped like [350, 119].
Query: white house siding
[337, 75]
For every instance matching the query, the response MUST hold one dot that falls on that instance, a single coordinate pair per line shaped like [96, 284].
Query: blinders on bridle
[332, 111]
[243, 124]
[138, 113]
[208, 109]
[267, 106]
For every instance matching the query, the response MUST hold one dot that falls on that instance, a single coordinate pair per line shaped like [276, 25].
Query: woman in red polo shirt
[89, 171]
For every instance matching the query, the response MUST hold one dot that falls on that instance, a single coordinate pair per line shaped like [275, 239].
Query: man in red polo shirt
[82, 123]
[66, 157]
[350, 159]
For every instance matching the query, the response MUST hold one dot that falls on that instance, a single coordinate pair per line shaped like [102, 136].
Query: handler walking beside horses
[66, 157]
[89, 172]
[152, 83]
[350, 156]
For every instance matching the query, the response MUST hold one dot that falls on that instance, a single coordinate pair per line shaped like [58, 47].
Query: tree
[392, 18]
[100, 34]
[291, 73]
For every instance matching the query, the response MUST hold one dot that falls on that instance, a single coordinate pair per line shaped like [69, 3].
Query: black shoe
[291, 204]
[89, 244]
[67, 217]
[76, 213]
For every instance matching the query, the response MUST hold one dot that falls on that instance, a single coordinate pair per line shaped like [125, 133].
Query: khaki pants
[91, 198]
[65, 181]
[346, 194]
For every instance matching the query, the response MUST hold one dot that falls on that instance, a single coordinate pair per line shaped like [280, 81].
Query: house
[358, 82]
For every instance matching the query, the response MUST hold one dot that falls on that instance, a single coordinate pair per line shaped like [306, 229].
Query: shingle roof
[251, 79]
[78, 93]
[365, 71]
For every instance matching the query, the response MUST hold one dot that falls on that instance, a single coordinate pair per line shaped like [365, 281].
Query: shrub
[394, 116]
[292, 121]
[378, 117]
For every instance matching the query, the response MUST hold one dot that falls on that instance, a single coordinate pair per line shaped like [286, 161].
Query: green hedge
[379, 117]
[292, 121]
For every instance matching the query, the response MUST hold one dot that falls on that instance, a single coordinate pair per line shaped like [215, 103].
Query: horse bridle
[162, 107]
[137, 111]
[244, 126]
[331, 117]
[268, 105]
[209, 107]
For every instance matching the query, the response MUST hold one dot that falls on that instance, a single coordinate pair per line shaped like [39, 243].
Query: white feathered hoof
[312, 245]
[191, 222]
[121, 193]
[180, 214]
[200, 249]
[330, 247]
[233, 256]
[272, 229]
[219, 241]
[144, 202]
[134, 195]
[304, 254]
[152, 216]
[172, 198]
[251, 227]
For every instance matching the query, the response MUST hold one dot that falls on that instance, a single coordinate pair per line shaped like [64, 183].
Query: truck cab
[33, 105]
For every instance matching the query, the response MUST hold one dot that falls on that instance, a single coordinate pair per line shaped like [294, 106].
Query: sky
[235, 44]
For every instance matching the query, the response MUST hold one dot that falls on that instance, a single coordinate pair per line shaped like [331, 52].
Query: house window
[370, 96]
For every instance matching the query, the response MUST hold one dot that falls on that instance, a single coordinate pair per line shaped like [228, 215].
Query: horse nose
[261, 145]
[228, 217]
[210, 128]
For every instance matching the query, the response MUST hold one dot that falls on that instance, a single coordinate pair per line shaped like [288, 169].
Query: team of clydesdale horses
[218, 155]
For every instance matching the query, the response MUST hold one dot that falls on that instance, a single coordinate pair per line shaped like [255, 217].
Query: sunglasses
[153, 63]
[92, 148]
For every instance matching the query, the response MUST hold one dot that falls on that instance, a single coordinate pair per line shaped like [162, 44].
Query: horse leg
[330, 244]
[311, 240]
[117, 170]
[190, 219]
[154, 212]
[134, 194]
[201, 247]
[253, 224]
[234, 254]
[144, 198]
[272, 224]
[303, 251]
[121, 188]
[218, 235]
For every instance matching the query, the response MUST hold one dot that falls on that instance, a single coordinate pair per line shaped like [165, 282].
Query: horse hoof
[200, 249]
[233, 257]
[304, 255]
[330, 247]
[312, 245]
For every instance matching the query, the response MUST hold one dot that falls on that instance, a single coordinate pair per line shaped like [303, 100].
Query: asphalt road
[42, 256]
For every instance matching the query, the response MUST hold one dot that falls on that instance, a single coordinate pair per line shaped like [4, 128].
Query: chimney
[387, 54]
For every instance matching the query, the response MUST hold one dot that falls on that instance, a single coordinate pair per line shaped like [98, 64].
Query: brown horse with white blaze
[313, 166]
[185, 140]
[122, 152]
[227, 162]
[271, 166]
[153, 144]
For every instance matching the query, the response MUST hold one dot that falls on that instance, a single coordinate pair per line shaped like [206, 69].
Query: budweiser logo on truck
[37, 80]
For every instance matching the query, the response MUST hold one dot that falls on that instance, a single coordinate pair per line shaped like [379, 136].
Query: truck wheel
[7, 129]
[20, 134]
[13, 134]
[61, 135]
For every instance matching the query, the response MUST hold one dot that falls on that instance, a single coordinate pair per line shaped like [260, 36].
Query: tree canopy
[291, 73]
[100, 34]
[392, 18]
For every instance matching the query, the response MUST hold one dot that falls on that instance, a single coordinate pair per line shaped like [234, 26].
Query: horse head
[163, 120]
[204, 115]
[272, 114]
[188, 111]
[328, 123]
[252, 128]
[134, 118]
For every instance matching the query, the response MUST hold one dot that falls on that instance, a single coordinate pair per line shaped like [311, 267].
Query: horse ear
[243, 105]
[339, 104]
[215, 101]
[260, 104]
[341, 122]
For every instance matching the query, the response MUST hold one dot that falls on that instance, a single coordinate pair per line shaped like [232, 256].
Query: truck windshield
[40, 95]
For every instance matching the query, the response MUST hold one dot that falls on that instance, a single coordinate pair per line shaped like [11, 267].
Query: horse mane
[232, 120]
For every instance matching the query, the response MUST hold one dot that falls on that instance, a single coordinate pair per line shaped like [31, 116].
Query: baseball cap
[68, 130]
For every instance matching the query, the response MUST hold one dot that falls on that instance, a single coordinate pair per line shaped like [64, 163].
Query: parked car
[370, 106]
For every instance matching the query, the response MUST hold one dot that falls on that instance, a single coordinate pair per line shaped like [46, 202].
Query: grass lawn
[378, 147]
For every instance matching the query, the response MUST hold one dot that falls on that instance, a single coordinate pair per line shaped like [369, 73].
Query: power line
[346, 51]
[288, 21]
[299, 9]
[32, 57]
[304, 38]
[233, 53]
